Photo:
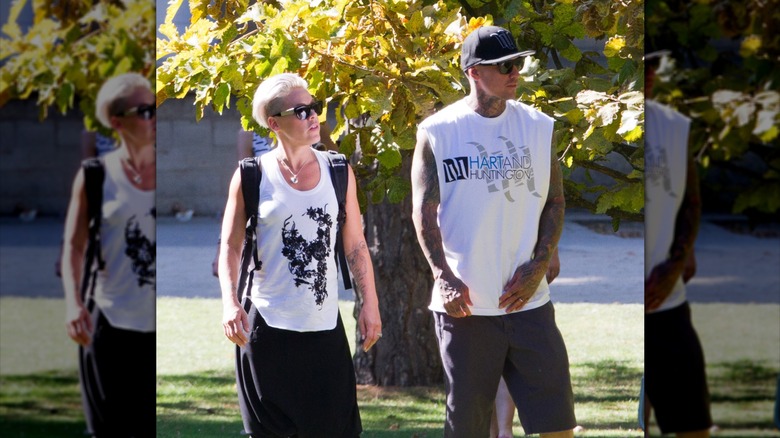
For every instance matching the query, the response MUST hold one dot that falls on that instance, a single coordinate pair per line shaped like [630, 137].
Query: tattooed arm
[662, 278]
[359, 259]
[425, 206]
[235, 322]
[522, 286]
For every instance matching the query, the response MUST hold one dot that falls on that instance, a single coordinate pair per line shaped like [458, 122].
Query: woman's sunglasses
[302, 112]
[145, 112]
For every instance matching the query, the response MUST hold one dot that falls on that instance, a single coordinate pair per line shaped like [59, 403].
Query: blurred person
[504, 407]
[294, 370]
[488, 229]
[114, 322]
[252, 144]
[675, 383]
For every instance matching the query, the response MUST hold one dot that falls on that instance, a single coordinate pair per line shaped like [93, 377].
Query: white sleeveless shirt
[494, 176]
[296, 287]
[125, 289]
[666, 164]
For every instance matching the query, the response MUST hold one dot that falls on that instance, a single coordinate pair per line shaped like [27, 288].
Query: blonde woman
[114, 324]
[294, 371]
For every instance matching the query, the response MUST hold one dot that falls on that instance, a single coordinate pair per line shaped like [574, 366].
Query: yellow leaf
[750, 46]
[173, 8]
[613, 46]
[633, 135]
[770, 134]
[169, 30]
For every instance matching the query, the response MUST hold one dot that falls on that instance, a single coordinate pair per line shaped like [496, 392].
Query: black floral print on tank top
[141, 251]
[301, 252]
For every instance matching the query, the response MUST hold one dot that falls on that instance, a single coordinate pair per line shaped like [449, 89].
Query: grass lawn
[197, 395]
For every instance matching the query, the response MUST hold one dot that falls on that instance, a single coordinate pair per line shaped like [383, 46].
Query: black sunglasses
[302, 112]
[145, 112]
[506, 67]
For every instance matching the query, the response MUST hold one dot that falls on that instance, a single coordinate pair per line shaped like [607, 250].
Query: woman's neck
[139, 156]
[295, 156]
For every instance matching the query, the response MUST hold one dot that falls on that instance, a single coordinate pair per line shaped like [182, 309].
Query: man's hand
[660, 282]
[454, 295]
[235, 323]
[522, 286]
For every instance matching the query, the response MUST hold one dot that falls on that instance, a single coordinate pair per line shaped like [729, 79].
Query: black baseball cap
[489, 45]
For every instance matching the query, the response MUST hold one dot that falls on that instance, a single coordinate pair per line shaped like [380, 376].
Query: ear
[472, 73]
[273, 125]
[116, 122]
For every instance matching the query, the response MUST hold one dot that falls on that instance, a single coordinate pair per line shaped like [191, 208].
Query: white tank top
[494, 176]
[296, 287]
[125, 289]
[666, 158]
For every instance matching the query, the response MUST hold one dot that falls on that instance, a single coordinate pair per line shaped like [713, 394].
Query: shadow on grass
[205, 404]
[742, 381]
[605, 381]
[41, 405]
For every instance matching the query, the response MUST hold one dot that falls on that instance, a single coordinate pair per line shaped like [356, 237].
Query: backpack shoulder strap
[340, 178]
[251, 175]
[94, 176]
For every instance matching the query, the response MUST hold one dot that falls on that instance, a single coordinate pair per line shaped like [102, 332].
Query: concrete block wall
[38, 160]
[195, 160]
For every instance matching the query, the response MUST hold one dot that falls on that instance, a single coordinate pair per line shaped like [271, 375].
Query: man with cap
[675, 381]
[488, 207]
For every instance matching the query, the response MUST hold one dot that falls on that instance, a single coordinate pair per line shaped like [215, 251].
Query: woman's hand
[370, 325]
[79, 324]
[235, 323]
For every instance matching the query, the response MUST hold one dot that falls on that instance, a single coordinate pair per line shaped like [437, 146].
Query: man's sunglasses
[145, 112]
[506, 67]
[302, 112]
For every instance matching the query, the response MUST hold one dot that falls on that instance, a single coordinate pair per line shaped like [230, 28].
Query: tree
[71, 49]
[397, 61]
[723, 73]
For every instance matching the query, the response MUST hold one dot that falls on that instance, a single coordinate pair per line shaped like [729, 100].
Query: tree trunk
[408, 353]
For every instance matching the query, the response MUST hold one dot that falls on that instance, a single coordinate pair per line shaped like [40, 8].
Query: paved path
[595, 267]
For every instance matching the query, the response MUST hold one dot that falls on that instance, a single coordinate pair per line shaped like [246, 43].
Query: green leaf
[222, 97]
[389, 158]
[279, 67]
[398, 189]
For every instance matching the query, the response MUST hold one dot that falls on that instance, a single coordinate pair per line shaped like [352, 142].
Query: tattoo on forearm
[551, 220]
[428, 231]
[358, 264]
[550, 229]
[687, 222]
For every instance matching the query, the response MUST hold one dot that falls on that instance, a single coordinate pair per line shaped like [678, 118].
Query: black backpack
[250, 185]
[94, 175]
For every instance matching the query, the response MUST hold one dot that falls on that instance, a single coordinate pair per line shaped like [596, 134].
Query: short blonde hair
[270, 93]
[113, 94]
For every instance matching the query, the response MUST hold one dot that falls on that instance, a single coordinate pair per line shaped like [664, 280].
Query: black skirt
[118, 378]
[296, 384]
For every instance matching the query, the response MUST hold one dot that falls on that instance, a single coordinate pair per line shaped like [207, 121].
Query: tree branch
[614, 174]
